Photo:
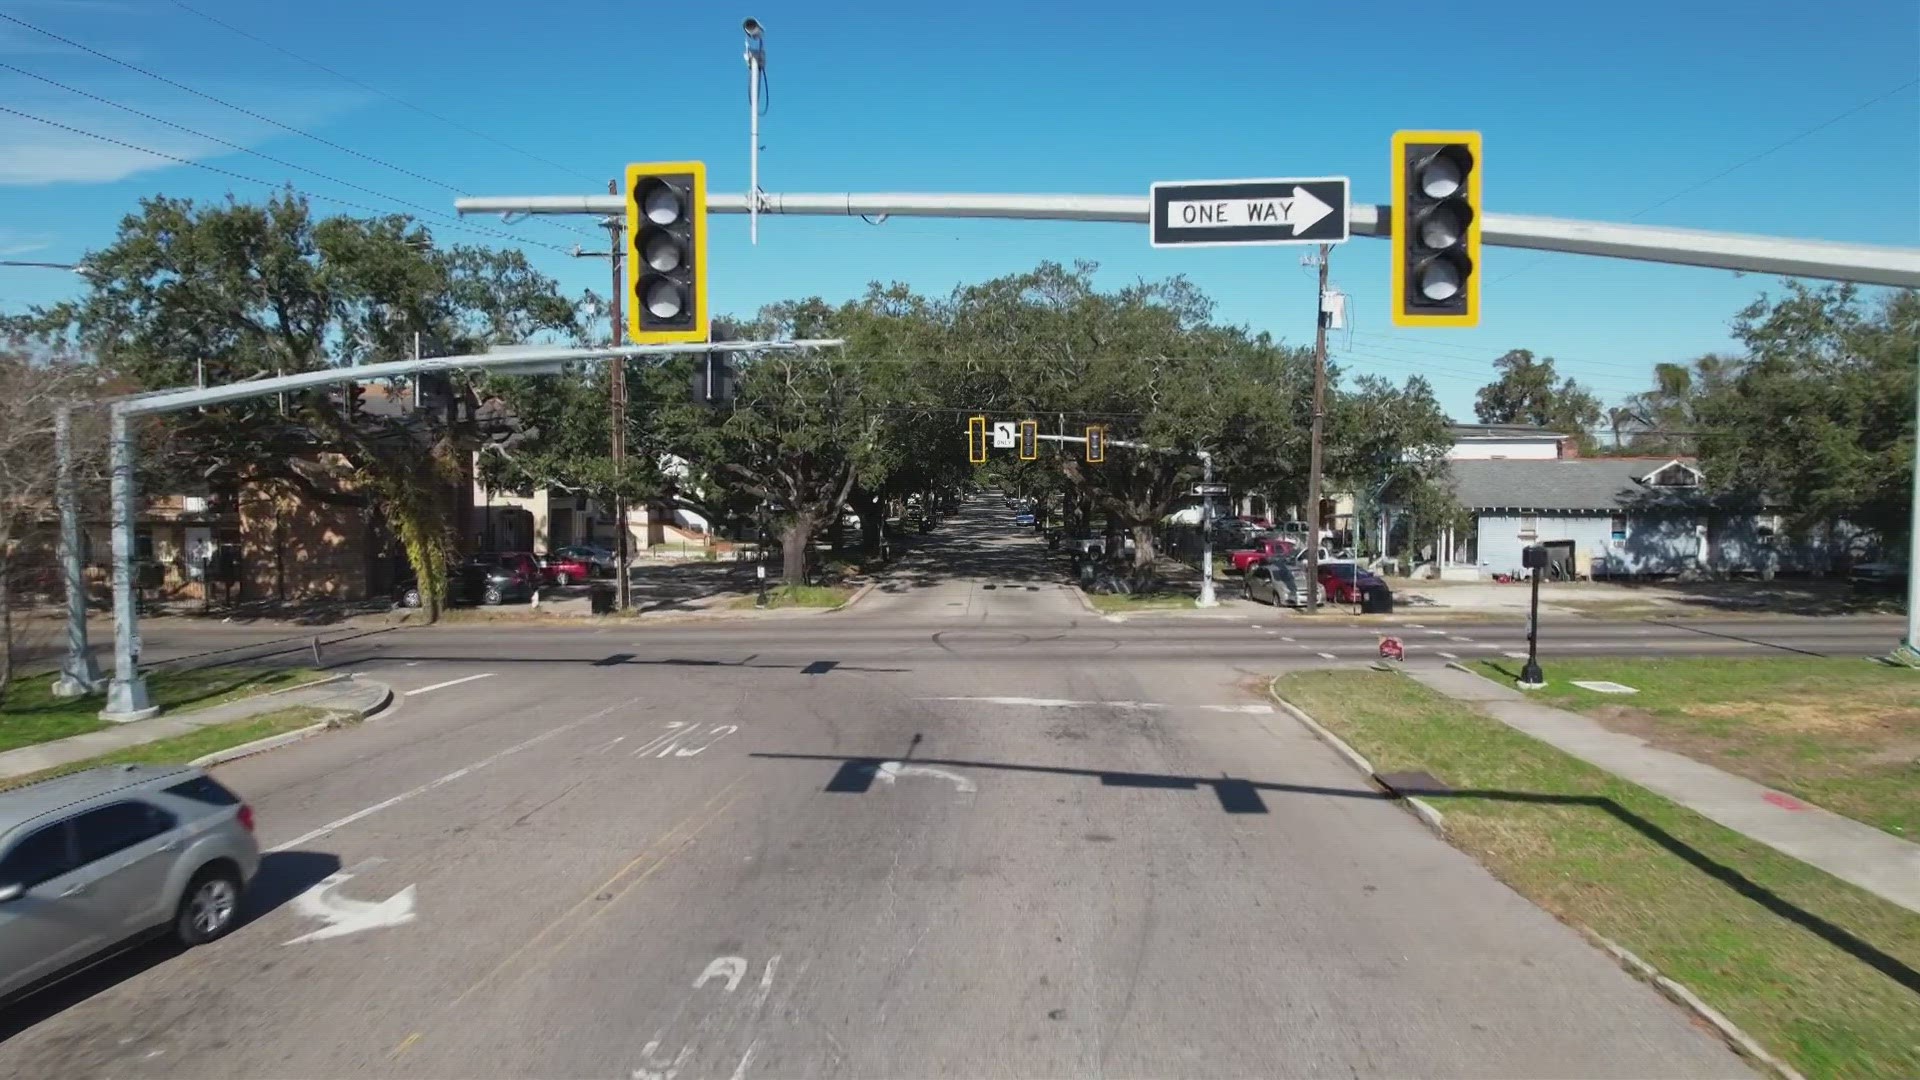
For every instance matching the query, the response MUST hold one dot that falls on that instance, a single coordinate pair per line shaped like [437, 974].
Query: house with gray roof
[1613, 517]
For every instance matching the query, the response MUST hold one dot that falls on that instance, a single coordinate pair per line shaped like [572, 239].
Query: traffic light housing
[666, 252]
[1029, 440]
[977, 440]
[1436, 228]
[1096, 444]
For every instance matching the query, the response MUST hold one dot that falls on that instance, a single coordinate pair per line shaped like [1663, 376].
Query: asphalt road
[964, 829]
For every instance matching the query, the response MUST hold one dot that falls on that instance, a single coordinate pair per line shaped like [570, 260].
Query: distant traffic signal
[1096, 444]
[1436, 228]
[1029, 440]
[666, 252]
[977, 440]
[714, 380]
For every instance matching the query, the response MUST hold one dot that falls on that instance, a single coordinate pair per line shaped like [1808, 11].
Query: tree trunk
[872, 519]
[1143, 554]
[793, 545]
[6, 629]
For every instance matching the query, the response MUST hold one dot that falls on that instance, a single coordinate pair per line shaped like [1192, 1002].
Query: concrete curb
[310, 685]
[261, 746]
[339, 718]
[1742, 1043]
[1434, 820]
[858, 596]
[1086, 604]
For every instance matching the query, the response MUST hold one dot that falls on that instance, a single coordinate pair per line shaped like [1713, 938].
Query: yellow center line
[695, 819]
[405, 1044]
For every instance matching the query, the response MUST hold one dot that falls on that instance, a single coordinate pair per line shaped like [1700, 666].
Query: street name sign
[1209, 489]
[1217, 213]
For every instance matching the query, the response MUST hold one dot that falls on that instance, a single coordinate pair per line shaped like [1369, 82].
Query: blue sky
[1599, 116]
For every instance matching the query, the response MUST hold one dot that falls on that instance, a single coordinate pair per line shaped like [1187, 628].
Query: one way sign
[1212, 213]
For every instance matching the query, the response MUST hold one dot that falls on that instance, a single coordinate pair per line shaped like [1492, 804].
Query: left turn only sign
[1209, 213]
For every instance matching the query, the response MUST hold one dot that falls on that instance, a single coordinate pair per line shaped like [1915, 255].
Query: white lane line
[1273, 633]
[1250, 710]
[1284, 637]
[1461, 637]
[1326, 656]
[1438, 633]
[1414, 625]
[1514, 655]
[449, 682]
[341, 823]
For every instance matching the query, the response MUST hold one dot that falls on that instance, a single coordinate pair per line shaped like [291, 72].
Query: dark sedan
[486, 578]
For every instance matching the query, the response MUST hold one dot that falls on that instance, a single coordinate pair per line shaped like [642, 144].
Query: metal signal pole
[617, 393]
[1319, 424]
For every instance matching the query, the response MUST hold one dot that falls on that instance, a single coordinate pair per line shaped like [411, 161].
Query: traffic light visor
[662, 252]
[1439, 278]
[1443, 173]
[660, 203]
[1445, 225]
[665, 300]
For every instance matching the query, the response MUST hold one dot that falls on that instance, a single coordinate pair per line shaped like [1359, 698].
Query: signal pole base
[127, 701]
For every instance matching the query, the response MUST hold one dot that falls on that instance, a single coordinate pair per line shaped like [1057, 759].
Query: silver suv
[95, 861]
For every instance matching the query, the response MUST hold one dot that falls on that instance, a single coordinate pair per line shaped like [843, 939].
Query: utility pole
[79, 675]
[1207, 598]
[617, 394]
[1319, 424]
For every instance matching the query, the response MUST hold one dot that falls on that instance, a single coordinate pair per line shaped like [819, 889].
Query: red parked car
[1265, 546]
[1345, 582]
[561, 568]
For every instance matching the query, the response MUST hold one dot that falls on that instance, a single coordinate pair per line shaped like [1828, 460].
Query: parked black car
[1885, 575]
[485, 578]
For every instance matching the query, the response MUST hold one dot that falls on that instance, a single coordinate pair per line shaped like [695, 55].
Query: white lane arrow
[345, 915]
[1307, 210]
[894, 770]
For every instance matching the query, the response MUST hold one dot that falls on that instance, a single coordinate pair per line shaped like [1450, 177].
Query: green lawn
[31, 714]
[1116, 603]
[1840, 733]
[184, 748]
[1810, 966]
[808, 596]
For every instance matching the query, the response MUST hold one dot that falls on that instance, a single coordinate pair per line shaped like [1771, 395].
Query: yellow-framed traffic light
[666, 252]
[977, 440]
[1096, 444]
[1436, 228]
[1029, 440]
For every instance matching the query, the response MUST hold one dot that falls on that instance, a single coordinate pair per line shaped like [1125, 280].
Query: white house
[1613, 517]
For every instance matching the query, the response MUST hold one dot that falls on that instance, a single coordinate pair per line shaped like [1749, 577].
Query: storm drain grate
[1604, 686]
[1403, 784]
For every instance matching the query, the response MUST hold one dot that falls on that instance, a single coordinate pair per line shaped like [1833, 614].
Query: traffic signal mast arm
[1867, 264]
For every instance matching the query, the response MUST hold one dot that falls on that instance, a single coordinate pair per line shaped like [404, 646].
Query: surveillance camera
[752, 27]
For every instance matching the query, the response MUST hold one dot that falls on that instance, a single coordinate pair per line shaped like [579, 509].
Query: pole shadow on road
[283, 875]
[856, 775]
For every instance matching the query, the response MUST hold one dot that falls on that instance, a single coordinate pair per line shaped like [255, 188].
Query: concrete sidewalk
[1862, 855]
[344, 696]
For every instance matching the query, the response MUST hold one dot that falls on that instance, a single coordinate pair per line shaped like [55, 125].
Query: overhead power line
[244, 111]
[426, 210]
[256, 180]
[455, 124]
[1730, 170]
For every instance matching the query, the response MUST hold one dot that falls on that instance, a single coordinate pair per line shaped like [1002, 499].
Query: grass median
[181, 749]
[1121, 603]
[1840, 733]
[31, 714]
[1820, 972]
[801, 596]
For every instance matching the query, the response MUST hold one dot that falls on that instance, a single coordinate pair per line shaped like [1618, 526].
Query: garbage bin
[1377, 601]
[601, 597]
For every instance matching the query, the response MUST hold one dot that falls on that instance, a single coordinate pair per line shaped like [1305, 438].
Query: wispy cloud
[13, 242]
[66, 139]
